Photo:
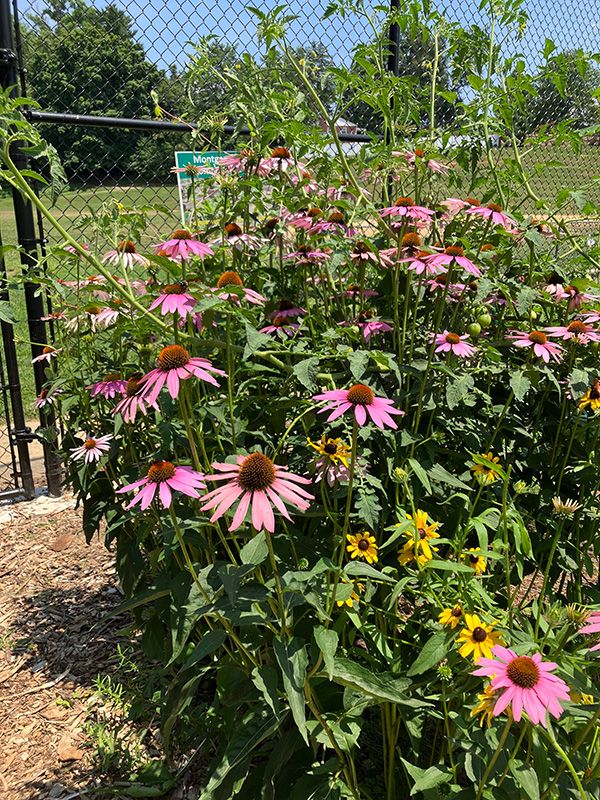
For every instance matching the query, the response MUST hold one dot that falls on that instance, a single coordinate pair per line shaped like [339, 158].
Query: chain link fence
[89, 57]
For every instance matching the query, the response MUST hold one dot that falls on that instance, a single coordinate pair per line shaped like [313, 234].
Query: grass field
[568, 171]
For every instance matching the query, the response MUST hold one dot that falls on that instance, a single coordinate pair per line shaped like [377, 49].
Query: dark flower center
[127, 246]
[479, 634]
[452, 338]
[494, 207]
[161, 471]
[487, 247]
[595, 391]
[287, 305]
[133, 384]
[360, 395]
[330, 448]
[524, 672]
[537, 337]
[48, 349]
[361, 247]
[411, 240]
[577, 328]
[279, 322]
[271, 223]
[454, 251]
[363, 544]
[257, 473]
[337, 217]
[232, 229]
[314, 212]
[441, 279]
[44, 394]
[456, 612]
[422, 533]
[281, 152]
[173, 357]
[419, 153]
[192, 170]
[472, 286]
[473, 558]
[404, 202]
[182, 235]
[90, 444]
[571, 290]
[110, 377]
[93, 310]
[229, 279]
[247, 153]
[554, 279]
[175, 288]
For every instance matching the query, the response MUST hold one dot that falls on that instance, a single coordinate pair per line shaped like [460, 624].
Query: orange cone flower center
[494, 207]
[452, 338]
[173, 357]
[404, 202]
[455, 251]
[90, 444]
[577, 327]
[161, 471]
[256, 473]
[279, 322]
[538, 337]
[48, 349]
[182, 235]
[112, 376]
[281, 152]
[337, 216]
[411, 240]
[127, 246]
[175, 288]
[360, 395]
[524, 672]
[133, 384]
[229, 279]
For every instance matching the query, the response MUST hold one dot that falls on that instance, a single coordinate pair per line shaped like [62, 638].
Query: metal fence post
[28, 240]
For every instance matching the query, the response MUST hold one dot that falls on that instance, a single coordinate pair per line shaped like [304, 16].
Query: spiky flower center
[182, 235]
[48, 350]
[192, 170]
[473, 558]
[494, 207]
[411, 240]
[133, 384]
[456, 612]
[90, 444]
[173, 357]
[487, 247]
[571, 289]
[538, 337]
[419, 153]
[161, 471]
[454, 251]
[110, 377]
[271, 223]
[554, 278]
[363, 544]
[479, 634]
[442, 280]
[175, 288]
[404, 202]
[452, 338]
[232, 229]
[127, 246]
[229, 279]
[279, 322]
[44, 394]
[360, 395]
[577, 328]
[524, 672]
[337, 217]
[314, 212]
[93, 310]
[281, 152]
[361, 247]
[330, 448]
[256, 473]
[247, 153]
[286, 305]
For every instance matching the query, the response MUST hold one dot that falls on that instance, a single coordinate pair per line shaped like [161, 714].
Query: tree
[85, 60]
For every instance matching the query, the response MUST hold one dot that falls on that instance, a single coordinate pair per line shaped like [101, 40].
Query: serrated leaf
[327, 640]
[358, 361]
[432, 653]
[306, 372]
[458, 387]
[520, 384]
[254, 340]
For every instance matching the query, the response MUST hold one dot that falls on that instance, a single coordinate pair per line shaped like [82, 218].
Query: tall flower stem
[348, 508]
[572, 751]
[277, 581]
[230, 381]
[188, 429]
[494, 758]
[549, 735]
[542, 595]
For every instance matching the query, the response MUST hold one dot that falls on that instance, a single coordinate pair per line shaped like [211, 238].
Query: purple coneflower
[255, 480]
[233, 279]
[404, 207]
[47, 354]
[286, 309]
[307, 254]
[524, 683]
[539, 341]
[281, 326]
[494, 213]
[92, 449]
[46, 397]
[592, 626]
[125, 254]
[577, 331]
[362, 401]
[247, 159]
[353, 292]
[305, 221]
[368, 326]
[335, 223]
[174, 299]
[175, 364]
[235, 237]
[133, 400]
[183, 244]
[110, 386]
[455, 254]
[574, 296]
[447, 342]
[165, 477]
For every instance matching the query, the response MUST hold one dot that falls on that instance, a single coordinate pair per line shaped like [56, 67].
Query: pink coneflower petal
[241, 511]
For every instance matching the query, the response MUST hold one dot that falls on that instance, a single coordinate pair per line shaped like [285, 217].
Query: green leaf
[327, 640]
[6, 312]
[255, 551]
[293, 661]
[439, 473]
[358, 361]
[432, 653]
[448, 566]
[383, 686]
[427, 778]
[526, 777]
[579, 383]
[421, 474]
[520, 384]
[458, 387]
[258, 724]
[306, 372]
[254, 340]
[368, 506]
[210, 642]
[264, 678]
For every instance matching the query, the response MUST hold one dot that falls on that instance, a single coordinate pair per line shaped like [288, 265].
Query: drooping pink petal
[240, 512]
[165, 494]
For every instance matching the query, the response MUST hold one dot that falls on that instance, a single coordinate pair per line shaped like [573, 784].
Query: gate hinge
[24, 435]
[7, 56]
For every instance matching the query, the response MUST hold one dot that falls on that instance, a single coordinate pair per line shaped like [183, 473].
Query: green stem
[494, 758]
[542, 595]
[549, 735]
